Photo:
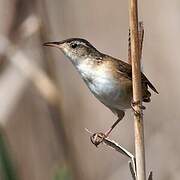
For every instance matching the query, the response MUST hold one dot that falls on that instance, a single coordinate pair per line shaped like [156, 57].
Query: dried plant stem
[137, 95]
[141, 38]
[114, 145]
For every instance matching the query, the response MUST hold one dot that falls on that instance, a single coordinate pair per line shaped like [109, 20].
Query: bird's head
[76, 49]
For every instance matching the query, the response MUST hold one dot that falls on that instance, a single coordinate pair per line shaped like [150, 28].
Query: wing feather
[126, 70]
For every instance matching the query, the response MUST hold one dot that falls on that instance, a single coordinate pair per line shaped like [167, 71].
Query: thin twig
[137, 95]
[132, 170]
[150, 176]
[141, 38]
[129, 47]
[114, 145]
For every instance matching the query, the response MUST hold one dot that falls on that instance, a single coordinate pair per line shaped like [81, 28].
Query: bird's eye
[73, 45]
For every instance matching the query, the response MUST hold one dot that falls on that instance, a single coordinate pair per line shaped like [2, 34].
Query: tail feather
[152, 87]
[146, 94]
[145, 80]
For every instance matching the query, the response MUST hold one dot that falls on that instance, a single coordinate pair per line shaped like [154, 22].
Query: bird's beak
[53, 44]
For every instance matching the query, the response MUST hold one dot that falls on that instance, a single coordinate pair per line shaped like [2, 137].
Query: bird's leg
[137, 103]
[97, 138]
[112, 127]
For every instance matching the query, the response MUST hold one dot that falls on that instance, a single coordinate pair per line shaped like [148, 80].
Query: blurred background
[45, 106]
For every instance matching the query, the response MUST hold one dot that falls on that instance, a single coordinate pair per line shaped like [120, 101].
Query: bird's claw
[97, 138]
[137, 103]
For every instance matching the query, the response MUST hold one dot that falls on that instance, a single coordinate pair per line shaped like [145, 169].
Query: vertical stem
[137, 94]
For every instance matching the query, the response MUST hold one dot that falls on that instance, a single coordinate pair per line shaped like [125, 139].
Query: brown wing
[126, 70]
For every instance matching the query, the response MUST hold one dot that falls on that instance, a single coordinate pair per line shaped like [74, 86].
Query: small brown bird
[108, 78]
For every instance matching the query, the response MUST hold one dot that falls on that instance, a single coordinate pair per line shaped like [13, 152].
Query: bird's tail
[146, 94]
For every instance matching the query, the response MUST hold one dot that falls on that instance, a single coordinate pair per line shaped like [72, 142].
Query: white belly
[110, 92]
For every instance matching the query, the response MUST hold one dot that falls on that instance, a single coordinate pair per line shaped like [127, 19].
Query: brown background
[36, 145]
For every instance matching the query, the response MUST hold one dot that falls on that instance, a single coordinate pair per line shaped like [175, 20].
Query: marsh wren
[108, 78]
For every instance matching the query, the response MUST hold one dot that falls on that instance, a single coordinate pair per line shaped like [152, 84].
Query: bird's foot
[97, 138]
[137, 103]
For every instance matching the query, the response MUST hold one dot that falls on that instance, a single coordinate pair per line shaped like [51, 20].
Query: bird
[108, 78]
